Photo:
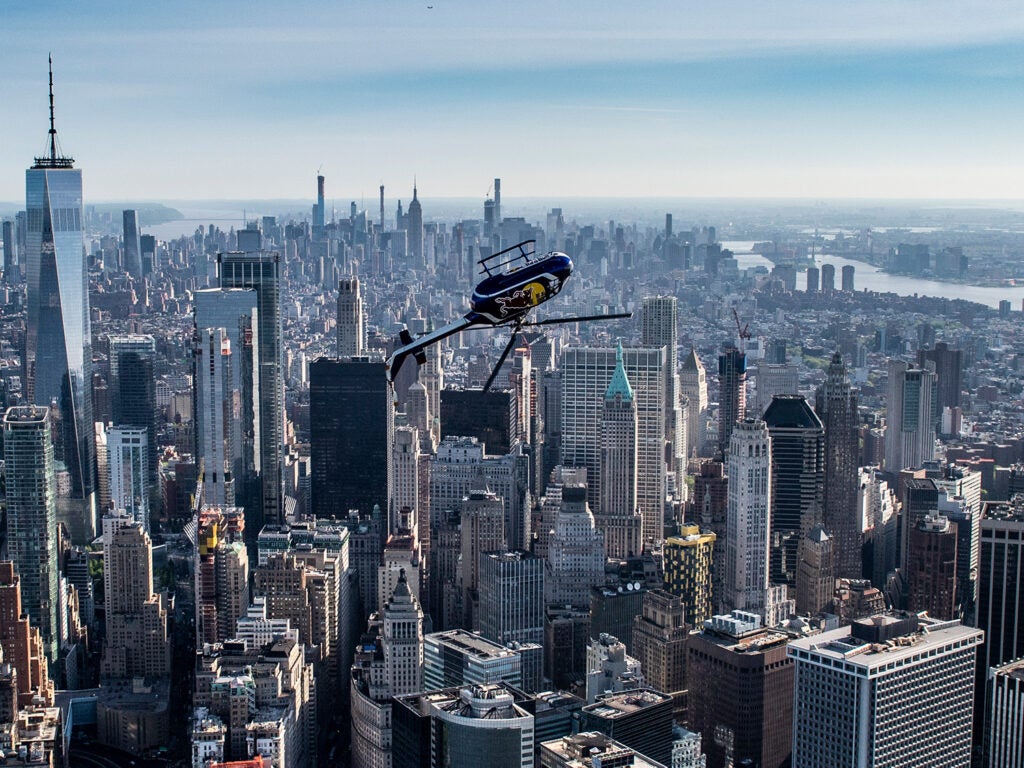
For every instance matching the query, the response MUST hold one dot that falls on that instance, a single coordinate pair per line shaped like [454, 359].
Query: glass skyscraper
[58, 342]
[31, 517]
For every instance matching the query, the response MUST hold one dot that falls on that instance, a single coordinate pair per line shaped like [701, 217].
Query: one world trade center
[58, 344]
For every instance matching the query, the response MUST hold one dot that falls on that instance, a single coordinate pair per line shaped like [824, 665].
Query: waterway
[874, 279]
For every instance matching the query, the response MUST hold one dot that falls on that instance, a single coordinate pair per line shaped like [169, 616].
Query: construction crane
[742, 331]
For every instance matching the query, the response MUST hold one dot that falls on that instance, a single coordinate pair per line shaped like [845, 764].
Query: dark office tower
[948, 367]
[351, 329]
[133, 394]
[740, 692]
[732, 393]
[349, 408]
[10, 251]
[828, 279]
[931, 568]
[148, 245]
[798, 479]
[836, 404]
[381, 223]
[709, 509]
[318, 211]
[1001, 588]
[848, 278]
[639, 718]
[32, 519]
[668, 225]
[132, 261]
[497, 202]
[414, 230]
[58, 339]
[260, 272]
[491, 417]
[813, 279]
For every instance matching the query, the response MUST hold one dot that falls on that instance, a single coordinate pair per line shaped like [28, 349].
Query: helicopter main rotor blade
[582, 319]
[501, 360]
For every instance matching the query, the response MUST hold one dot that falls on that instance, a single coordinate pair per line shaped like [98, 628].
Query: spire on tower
[53, 159]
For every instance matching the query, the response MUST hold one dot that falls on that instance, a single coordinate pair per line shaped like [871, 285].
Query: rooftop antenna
[54, 160]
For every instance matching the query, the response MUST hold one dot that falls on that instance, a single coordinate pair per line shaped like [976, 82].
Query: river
[874, 279]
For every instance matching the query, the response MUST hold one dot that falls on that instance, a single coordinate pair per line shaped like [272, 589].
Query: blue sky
[201, 100]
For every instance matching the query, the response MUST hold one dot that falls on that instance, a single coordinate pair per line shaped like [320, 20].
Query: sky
[202, 100]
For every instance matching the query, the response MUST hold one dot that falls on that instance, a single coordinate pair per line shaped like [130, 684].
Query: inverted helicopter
[516, 282]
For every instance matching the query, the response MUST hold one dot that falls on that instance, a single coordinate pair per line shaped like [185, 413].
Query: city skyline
[807, 101]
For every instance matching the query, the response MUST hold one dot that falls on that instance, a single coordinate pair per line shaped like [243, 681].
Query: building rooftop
[614, 705]
[470, 643]
[883, 642]
[593, 749]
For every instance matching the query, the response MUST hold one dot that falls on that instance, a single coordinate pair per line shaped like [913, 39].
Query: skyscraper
[910, 425]
[828, 279]
[133, 387]
[351, 333]
[836, 405]
[10, 253]
[32, 518]
[132, 262]
[259, 272]
[128, 461]
[235, 311]
[58, 339]
[688, 567]
[798, 476]
[511, 597]
[948, 369]
[659, 642]
[351, 423]
[694, 386]
[218, 422]
[575, 552]
[1000, 610]
[931, 568]
[617, 516]
[20, 641]
[740, 691]
[732, 393]
[1004, 737]
[660, 328]
[848, 273]
[748, 536]
[889, 690]
[137, 643]
[415, 230]
[586, 374]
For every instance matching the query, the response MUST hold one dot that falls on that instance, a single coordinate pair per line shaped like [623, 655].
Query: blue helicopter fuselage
[503, 297]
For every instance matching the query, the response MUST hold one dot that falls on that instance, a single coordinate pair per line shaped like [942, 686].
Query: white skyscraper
[888, 690]
[660, 328]
[127, 460]
[351, 331]
[749, 467]
[909, 426]
[218, 415]
[586, 374]
[575, 552]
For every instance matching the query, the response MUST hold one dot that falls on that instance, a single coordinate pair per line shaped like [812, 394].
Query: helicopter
[516, 282]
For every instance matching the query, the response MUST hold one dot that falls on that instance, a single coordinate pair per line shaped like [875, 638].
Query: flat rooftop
[840, 649]
[470, 643]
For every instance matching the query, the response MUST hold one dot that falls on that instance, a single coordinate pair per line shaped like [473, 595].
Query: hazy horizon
[799, 100]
